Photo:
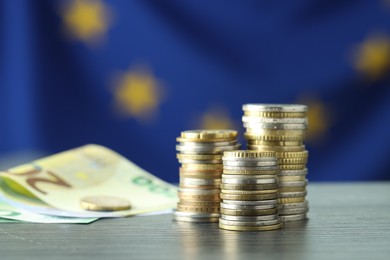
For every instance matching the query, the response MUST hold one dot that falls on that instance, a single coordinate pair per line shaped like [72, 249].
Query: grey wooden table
[347, 221]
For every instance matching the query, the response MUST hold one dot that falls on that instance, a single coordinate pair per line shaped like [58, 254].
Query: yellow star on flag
[216, 118]
[372, 57]
[138, 94]
[86, 20]
[318, 117]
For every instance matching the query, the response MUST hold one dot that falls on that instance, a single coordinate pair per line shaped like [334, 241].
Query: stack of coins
[281, 128]
[200, 155]
[249, 191]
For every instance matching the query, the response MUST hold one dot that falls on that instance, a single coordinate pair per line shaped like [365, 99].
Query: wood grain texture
[347, 221]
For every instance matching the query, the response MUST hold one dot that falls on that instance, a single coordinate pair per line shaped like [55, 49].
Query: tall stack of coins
[249, 191]
[200, 155]
[281, 128]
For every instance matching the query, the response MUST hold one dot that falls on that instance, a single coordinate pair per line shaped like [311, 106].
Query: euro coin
[250, 218]
[248, 154]
[250, 223]
[293, 211]
[273, 202]
[226, 186]
[297, 217]
[291, 200]
[199, 209]
[304, 204]
[266, 196]
[248, 192]
[292, 194]
[249, 212]
[250, 207]
[290, 108]
[251, 172]
[251, 228]
[104, 203]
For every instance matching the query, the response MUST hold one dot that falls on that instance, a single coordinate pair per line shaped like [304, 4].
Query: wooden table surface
[347, 221]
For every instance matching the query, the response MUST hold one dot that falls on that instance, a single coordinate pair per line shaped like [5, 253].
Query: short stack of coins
[200, 155]
[249, 191]
[281, 128]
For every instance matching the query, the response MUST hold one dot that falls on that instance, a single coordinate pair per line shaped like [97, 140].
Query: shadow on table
[203, 241]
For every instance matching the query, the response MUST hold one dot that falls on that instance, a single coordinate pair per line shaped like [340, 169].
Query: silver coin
[206, 150]
[195, 220]
[195, 181]
[255, 168]
[292, 194]
[198, 191]
[293, 211]
[250, 163]
[227, 177]
[254, 127]
[195, 215]
[304, 204]
[248, 177]
[208, 144]
[296, 217]
[242, 207]
[251, 202]
[297, 108]
[257, 119]
[249, 181]
[292, 183]
[250, 218]
[250, 223]
[293, 172]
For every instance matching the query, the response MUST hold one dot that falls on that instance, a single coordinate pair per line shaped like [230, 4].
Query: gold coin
[250, 172]
[248, 154]
[201, 203]
[200, 171]
[183, 140]
[228, 186]
[249, 197]
[104, 203]
[199, 156]
[201, 176]
[291, 200]
[199, 187]
[202, 166]
[198, 209]
[248, 192]
[209, 134]
[275, 114]
[277, 149]
[249, 212]
[274, 137]
[275, 143]
[292, 178]
[292, 189]
[302, 160]
[251, 228]
[284, 167]
[198, 197]
[293, 155]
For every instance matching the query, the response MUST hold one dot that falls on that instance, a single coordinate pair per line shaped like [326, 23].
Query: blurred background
[131, 75]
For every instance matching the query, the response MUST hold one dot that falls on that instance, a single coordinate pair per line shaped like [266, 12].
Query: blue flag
[131, 75]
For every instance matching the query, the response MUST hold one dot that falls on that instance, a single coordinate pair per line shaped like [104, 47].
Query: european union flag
[131, 75]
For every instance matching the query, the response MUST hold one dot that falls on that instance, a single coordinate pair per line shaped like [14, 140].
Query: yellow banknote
[55, 185]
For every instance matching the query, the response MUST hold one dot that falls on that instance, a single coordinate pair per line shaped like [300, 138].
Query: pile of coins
[200, 155]
[281, 128]
[249, 191]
